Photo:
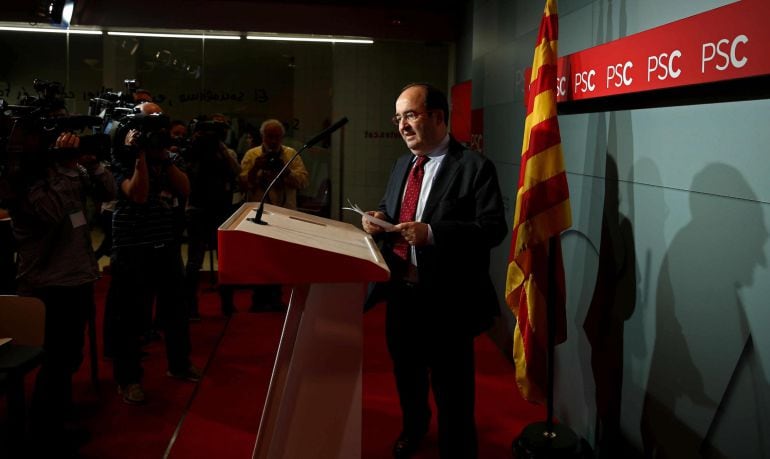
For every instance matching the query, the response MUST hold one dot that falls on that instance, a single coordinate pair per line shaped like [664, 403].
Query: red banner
[460, 113]
[726, 43]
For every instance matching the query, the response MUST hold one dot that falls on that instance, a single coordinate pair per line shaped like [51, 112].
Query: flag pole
[551, 311]
[547, 440]
[540, 215]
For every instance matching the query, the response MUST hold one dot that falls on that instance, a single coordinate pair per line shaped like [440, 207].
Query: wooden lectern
[313, 404]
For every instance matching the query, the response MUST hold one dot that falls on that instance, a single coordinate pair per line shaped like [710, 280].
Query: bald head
[148, 108]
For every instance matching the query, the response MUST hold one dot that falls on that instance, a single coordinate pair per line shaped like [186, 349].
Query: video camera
[153, 132]
[44, 114]
[50, 96]
[273, 162]
[112, 106]
[29, 130]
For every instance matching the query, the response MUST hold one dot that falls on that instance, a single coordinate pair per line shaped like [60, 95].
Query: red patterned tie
[409, 204]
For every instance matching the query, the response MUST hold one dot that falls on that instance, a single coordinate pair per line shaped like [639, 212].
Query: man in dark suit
[448, 214]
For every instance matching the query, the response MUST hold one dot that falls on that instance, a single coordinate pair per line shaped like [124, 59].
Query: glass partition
[247, 81]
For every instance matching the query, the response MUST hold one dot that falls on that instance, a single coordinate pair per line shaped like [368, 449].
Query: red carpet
[123, 431]
[219, 417]
[501, 413]
[224, 418]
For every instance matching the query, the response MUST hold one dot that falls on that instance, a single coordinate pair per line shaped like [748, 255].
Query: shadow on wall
[701, 329]
[613, 303]
[614, 298]
[649, 211]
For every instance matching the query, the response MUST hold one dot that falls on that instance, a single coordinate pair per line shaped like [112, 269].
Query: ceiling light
[196, 36]
[51, 30]
[310, 38]
[175, 35]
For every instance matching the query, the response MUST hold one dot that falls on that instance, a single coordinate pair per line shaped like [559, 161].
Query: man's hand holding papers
[369, 217]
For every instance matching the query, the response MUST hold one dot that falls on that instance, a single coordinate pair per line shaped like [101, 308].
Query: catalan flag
[542, 212]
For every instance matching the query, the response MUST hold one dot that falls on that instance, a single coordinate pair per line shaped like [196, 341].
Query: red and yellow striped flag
[542, 212]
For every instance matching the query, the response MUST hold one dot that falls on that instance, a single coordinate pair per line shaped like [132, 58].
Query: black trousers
[427, 355]
[139, 273]
[66, 312]
[201, 234]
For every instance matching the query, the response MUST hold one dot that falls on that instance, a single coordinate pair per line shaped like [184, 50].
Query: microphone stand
[258, 217]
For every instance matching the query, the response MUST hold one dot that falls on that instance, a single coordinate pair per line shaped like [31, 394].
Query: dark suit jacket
[465, 212]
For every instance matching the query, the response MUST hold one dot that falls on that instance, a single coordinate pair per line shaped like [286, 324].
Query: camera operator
[213, 172]
[179, 139]
[57, 265]
[110, 106]
[259, 167]
[146, 259]
[261, 164]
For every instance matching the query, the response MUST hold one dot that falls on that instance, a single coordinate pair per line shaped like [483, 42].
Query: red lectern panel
[313, 406]
[295, 248]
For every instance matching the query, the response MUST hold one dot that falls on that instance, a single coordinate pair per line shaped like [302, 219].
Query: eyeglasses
[410, 116]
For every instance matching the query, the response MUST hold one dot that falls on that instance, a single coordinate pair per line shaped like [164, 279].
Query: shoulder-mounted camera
[153, 130]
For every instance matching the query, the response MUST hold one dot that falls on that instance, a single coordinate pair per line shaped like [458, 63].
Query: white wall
[675, 335]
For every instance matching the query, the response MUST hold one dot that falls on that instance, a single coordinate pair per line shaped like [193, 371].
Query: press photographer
[259, 167]
[146, 258]
[213, 170]
[112, 108]
[56, 262]
[50, 212]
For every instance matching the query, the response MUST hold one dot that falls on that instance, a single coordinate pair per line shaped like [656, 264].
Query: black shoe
[406, 445]
[192, 374]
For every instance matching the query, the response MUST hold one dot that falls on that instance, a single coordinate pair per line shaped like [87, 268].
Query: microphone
[258, 217]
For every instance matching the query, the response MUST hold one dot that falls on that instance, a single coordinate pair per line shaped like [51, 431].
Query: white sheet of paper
[381, 223]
